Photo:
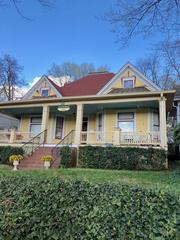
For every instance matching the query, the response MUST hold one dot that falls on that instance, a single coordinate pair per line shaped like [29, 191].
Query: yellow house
[99, 109]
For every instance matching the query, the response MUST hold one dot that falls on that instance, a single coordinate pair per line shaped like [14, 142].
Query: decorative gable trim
[31, 91]
[149, 84]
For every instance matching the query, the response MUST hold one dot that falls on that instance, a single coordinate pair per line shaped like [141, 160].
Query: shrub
[65, 156]
[122, 158]
[56, 209]
[7, 151]
[176, 134]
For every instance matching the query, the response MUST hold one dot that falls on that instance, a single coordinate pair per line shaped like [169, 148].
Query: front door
[100, 127]
[84, 129]
[59, 127]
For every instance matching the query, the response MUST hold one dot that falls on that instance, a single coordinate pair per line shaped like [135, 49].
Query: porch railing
[13, 136]
[30, 146]
[97, 137]
[139, 138]
[5, 136]
[118, 138]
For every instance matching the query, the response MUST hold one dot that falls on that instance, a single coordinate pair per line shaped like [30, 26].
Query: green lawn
[165, 180]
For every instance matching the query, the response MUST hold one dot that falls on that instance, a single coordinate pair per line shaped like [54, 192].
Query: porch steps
[34, 161]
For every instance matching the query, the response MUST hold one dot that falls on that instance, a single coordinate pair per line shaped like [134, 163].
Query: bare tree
[150, 67]
[158, 70]
[74, 70]
[144, 17]
[15, 4]
[170, 51]
[10, 72]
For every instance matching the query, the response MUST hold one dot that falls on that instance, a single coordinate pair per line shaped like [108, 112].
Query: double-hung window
[155, 121]
[125, 121]
[35, 126]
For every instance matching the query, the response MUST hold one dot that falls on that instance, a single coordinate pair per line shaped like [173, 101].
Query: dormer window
[44, 92]
[128, 83]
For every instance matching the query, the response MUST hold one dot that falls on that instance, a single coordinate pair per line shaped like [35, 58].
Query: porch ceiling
[17, 112]
[117, 106]
[88, 108]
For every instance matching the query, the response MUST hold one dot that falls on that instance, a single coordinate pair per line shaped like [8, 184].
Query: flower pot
[47, 164]
[15, 164]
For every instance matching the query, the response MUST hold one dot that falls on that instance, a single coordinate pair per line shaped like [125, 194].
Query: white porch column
[162, 120]
[79, 118]
[45, 119]
[12, 136]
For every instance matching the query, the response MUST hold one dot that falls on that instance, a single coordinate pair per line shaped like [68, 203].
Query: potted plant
[15, 159]
[47, 161]
[18, 136]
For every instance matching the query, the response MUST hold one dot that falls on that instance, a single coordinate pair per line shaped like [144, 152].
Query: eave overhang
[92, 99]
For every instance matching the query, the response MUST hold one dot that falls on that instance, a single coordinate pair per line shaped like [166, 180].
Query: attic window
[44, 92]
[128, 82]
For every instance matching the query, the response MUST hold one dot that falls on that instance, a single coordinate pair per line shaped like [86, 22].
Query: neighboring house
[19, 92]
[8, 122]
[177, 109]
[3, 96]
[100, 109]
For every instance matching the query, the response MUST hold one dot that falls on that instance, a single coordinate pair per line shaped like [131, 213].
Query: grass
[165, 180]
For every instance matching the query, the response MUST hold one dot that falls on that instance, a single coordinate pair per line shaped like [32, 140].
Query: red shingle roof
[88, 85]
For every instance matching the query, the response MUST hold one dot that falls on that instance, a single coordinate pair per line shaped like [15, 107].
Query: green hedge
[7, 151]
[65, 156]
[56, 209]
[122, 158]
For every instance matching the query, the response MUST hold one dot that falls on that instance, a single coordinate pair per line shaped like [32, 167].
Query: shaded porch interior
[97, 124]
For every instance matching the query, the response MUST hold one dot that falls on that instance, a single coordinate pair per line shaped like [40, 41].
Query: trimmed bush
[7, 151]
[176, 134]
[122, 158]
[55, 209]
[65, 156]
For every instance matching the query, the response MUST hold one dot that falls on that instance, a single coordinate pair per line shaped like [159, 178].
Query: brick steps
[34, 161]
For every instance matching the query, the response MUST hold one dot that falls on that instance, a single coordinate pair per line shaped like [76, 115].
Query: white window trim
[153, 120]
[44, 89]
[126, 111]
[129, 79]
[63, 131]
[31, 116]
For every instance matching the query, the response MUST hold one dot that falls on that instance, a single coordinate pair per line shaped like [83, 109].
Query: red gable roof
[88, 85]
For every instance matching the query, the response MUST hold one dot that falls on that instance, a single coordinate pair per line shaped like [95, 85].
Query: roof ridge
[100, 72]
[85, 77]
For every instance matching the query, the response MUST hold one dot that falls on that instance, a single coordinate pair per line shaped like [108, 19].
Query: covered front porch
[117, 121]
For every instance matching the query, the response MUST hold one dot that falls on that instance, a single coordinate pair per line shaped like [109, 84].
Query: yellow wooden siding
[141, 118]
[44, 84]
[25, 123]
[92, 127]
[126, 74]
[143, 121]
[110, 124]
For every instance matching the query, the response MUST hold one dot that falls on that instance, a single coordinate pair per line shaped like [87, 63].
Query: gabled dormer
[128, 80]
[44, 88]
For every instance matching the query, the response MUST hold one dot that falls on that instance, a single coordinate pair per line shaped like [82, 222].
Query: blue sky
[69, 31]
